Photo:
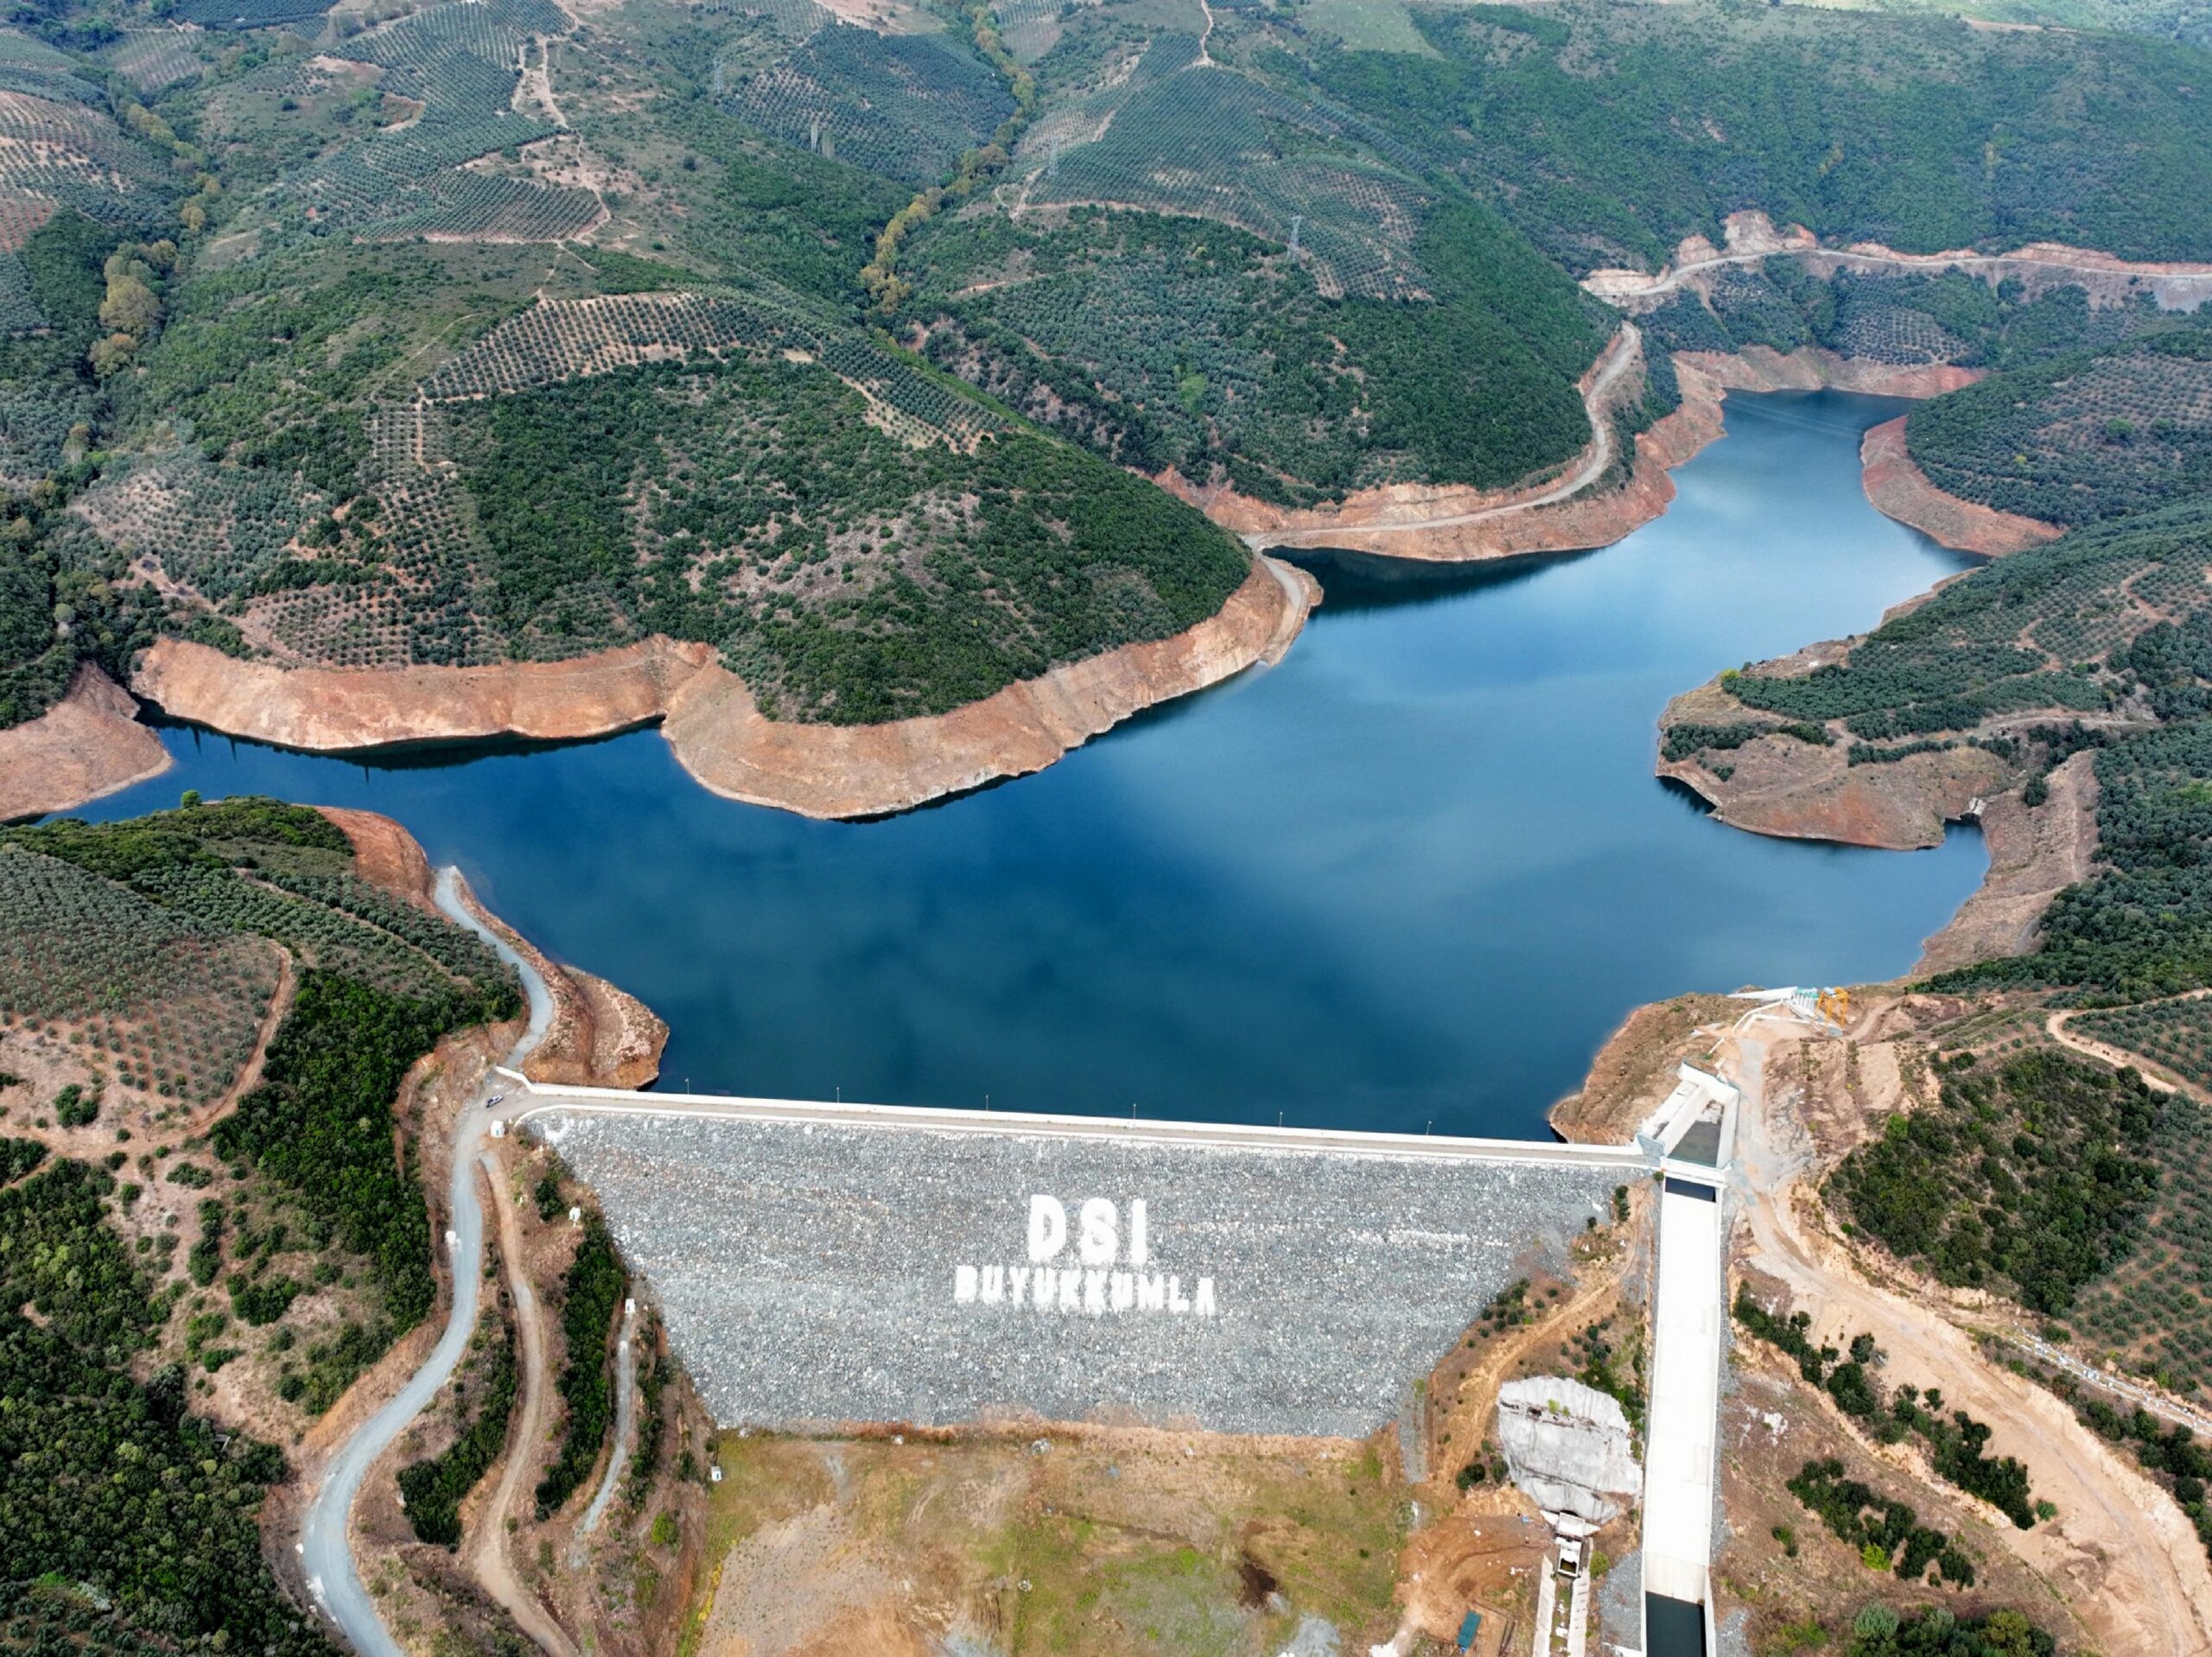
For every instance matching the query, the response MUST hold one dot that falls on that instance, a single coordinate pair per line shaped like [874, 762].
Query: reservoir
[1409, 879]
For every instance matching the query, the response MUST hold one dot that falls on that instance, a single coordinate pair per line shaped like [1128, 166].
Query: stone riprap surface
[819, 1274]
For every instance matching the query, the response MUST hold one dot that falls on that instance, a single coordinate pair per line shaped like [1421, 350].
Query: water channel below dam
[1408, 878]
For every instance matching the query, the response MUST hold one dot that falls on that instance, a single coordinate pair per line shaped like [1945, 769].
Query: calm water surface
[1414, 875]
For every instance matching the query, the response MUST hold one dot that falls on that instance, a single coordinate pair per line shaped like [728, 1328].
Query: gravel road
[326, 1534]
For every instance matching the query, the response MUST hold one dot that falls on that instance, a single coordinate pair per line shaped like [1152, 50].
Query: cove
[1409, 879]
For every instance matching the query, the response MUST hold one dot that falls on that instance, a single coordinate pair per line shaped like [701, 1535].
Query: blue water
[1412, 876]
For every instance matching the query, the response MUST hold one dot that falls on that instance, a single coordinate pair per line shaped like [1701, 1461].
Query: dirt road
[1619, 285]
[625, 1409]
[2059, 1025]
[486, 1556]
[2120, 1551]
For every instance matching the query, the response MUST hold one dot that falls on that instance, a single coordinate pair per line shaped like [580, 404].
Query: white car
[496, 1099]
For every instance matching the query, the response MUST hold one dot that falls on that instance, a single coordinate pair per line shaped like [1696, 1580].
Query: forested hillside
[138, 963]
[2088, 436]
[1166, 341]
[2188, 21]
[288, 426]
[2101, 639]
[1901, 321]
[297, 289]
[1608, 132]
[1190, 262]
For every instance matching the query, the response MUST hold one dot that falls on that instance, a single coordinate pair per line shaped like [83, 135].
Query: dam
[823, 1265]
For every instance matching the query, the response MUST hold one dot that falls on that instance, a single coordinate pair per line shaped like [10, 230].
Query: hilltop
[836, 347]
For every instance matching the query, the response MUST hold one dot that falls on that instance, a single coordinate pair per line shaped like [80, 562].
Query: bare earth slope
[719, 733]
[1752, 237]
[1901, 490]
[88, 743]
[2119, 1552]
[1810, 368]
[1797, 791]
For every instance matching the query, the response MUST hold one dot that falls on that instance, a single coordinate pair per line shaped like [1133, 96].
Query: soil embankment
[718, 731]
[2034, 854]
[1796, 790]
[330, 709]
[1457, 524]
[1636, 1067]
[1901, 490]
[1812, 368]
[88, 743]
[857, 770]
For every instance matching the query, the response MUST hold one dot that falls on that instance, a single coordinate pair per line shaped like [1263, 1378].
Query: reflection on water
[1412, 876]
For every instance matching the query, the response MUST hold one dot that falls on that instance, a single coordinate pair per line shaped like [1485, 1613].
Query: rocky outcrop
[1901, 490]
[718, 731]
[88, 743]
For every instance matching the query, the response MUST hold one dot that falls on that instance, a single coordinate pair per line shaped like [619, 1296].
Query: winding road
[326, 1538]
[1621, 353]
[2060, 1028]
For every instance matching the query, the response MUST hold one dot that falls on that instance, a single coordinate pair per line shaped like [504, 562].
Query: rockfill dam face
[819, 1273]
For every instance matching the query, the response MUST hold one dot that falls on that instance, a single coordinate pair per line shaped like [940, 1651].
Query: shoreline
[1458, 523]
[1788, 790]
[1900, 490]
[705, 714]
[1455, 525]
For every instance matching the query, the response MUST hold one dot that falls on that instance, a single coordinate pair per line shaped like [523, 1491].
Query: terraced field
[155, 58]
[252, 13]
[461, 63]
[557, 340]
[63, 150]
[2065, 627]
[904, 106]
[172, 1003]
